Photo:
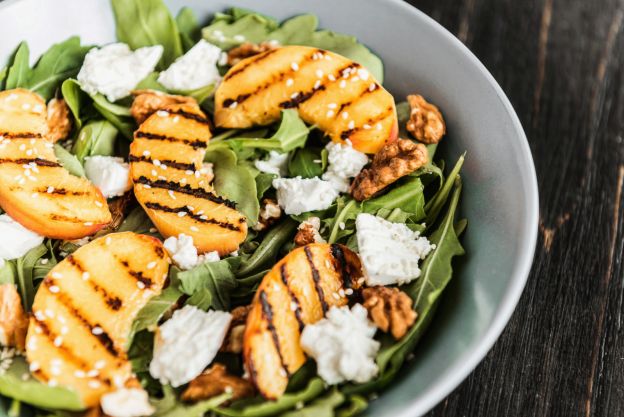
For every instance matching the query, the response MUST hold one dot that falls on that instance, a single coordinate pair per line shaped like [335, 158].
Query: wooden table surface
[561, 64]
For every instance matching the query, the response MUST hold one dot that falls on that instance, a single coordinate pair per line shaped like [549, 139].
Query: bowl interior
[500, 192]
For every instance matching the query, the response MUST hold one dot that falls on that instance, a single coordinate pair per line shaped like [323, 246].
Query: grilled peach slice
[297, 291]
[34, 188]
[166, 158]
[84, 309]
[329, 91]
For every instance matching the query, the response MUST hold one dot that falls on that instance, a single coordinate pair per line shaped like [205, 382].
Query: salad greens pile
[426, 201]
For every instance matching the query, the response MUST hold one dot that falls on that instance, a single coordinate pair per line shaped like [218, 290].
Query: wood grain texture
[561, 64]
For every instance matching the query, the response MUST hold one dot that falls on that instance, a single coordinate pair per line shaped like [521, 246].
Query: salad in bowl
[236, 219]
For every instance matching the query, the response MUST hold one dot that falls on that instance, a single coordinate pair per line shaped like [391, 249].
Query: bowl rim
[519, 276]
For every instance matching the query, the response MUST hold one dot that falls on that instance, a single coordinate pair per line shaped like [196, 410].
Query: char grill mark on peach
[167, 162]
[68, 354]
[267, 313]
[190, 116]
[104, 339]
[109, 299]
[316, 278]
[195, 144]
[382, 116]
[25, 161]
[20, 135]
[278, 78]
[252, 61]
[296, 306]
[185, 189]
[341, 265]
[60, 191]
[197, 218]
[137, 275]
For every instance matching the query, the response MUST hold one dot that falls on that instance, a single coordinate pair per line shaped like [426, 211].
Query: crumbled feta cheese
[184, 253]
[114, 70]
[342, 345]
[276, 164]
[390, 252]
[196, 68]
[187, 343]
[127, 402]
[314, 224]
[299, 195]
[344, 162]
[15, 239]
[108, 173]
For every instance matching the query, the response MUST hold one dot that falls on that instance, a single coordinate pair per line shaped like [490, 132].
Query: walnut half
[234, 340]
[147, 102]
[393, 161]
[216, 381]
[13, 320]
[308, 232]
[426, 123]
[247, 49]
[390, 309]
[59, 120]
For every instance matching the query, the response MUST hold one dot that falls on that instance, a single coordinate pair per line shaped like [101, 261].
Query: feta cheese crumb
[344, 162]
[342, 345]
[314, 224]
[195, 69]
[187, 343]
[299, 195]
[390, 252]
[15, 239]
[108, 173]
[277, 164]
[114, 70]
[184, 253]
[127, 402]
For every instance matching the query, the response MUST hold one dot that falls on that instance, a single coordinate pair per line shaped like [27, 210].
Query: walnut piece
[270, 212]
[426, 122]
[215, 381]
[147, 102]
[59, 120]
[390, 309]
[13, 320]
[234, 340]
[247, 49]
[308, 232]
[393, 161]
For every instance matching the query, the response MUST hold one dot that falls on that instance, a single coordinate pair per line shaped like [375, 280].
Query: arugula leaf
[357, 404]
[3, 74]
[95, 138]
[315, 387]
[235, 182]
[321, 407]
[137, 221]
[426, 291]
[33, 392]
[149, 316]
[19, 71]
[238, 26]
[209, 284]
[62, 61]
[148, 23]
[264, 181]
[292, 133]
[69, 161]
[169, 406]
[25, 267]
[409, 197]
[7, 273]
[343, 223]
[266, 253]
[73, 96]
[436, 204]
[306, 163]
[189, 28]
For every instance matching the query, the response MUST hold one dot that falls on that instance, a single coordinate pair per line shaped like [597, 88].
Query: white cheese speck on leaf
[342, 345]
[188, 342]
[299, 195]
[184, 253]
[127, 402]
[15, 239]
[345, 162]
[277, 164]
[195, 69]
[390, 252]
[114, 70]
[108, 173]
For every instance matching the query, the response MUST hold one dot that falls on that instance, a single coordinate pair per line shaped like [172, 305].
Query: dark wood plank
[560, 62]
